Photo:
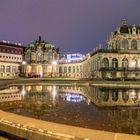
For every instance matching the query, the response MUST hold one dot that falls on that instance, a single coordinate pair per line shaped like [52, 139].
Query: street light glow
[54, 63]
[23, 62]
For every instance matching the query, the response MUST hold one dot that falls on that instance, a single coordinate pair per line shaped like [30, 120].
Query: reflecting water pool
[116, 110]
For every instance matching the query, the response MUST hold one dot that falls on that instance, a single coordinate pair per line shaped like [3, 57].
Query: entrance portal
[39, 71]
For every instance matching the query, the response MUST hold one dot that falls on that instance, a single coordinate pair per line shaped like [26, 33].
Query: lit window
[69, 69]
[125, 63]
[125, 44]
[134, 63]
[65, 69]
[134, 45]
[114, 63]
[8, 69]
[2, 68]
[105, 63]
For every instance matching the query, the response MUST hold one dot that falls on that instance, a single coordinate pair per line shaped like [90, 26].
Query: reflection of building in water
[106, 97]
[125, 119]
[113, 97]
[72, 97]
[72, 93]
[122, 104]
[39, 99]
[71, 89]
[10, 98]
[10, 94]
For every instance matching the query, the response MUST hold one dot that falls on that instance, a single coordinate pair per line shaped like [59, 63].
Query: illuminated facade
[71, 58]
[41, 59]
[10, 59]
[121, 58]
[119, 61]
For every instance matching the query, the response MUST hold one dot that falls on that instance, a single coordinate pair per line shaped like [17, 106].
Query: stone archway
[39, 71]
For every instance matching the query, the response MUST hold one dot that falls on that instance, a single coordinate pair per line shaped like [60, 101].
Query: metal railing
[119, 69]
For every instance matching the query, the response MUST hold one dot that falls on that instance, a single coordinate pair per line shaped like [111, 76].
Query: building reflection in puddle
[111, 109]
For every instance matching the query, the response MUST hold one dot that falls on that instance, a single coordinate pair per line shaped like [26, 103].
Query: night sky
[75, 26]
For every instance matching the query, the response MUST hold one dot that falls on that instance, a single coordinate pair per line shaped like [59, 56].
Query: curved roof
[125, 29]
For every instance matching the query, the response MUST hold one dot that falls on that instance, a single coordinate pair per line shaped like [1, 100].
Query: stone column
[129, 62]
[120, 100]
[138, 95]
[129, 44]
[45, 74]
[119, 62]
[110, 62]
[24, 68]
[110, 97]
[33, 69]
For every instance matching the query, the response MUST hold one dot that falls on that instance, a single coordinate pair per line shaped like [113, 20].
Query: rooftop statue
[39, 39]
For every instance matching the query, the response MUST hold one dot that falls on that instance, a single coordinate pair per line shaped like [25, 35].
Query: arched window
[13, 69]
[60, 69]
[134, 95]
[114, 63]
[125, 63]
[134, 44]
[105, 63]
[134, 63]
[69, 69]
[2, 68]
[29, 69]
[8, 69]
[125, 44]
[80, 68]
[105, 96]
[65, 69]
[125, 95]
[114, 95]
[77, 69]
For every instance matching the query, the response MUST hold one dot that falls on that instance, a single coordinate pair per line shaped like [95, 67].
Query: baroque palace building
[41, 60]
[119, 61]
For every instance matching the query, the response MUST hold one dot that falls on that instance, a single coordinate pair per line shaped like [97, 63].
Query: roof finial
[124, 22]
[39, 39]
